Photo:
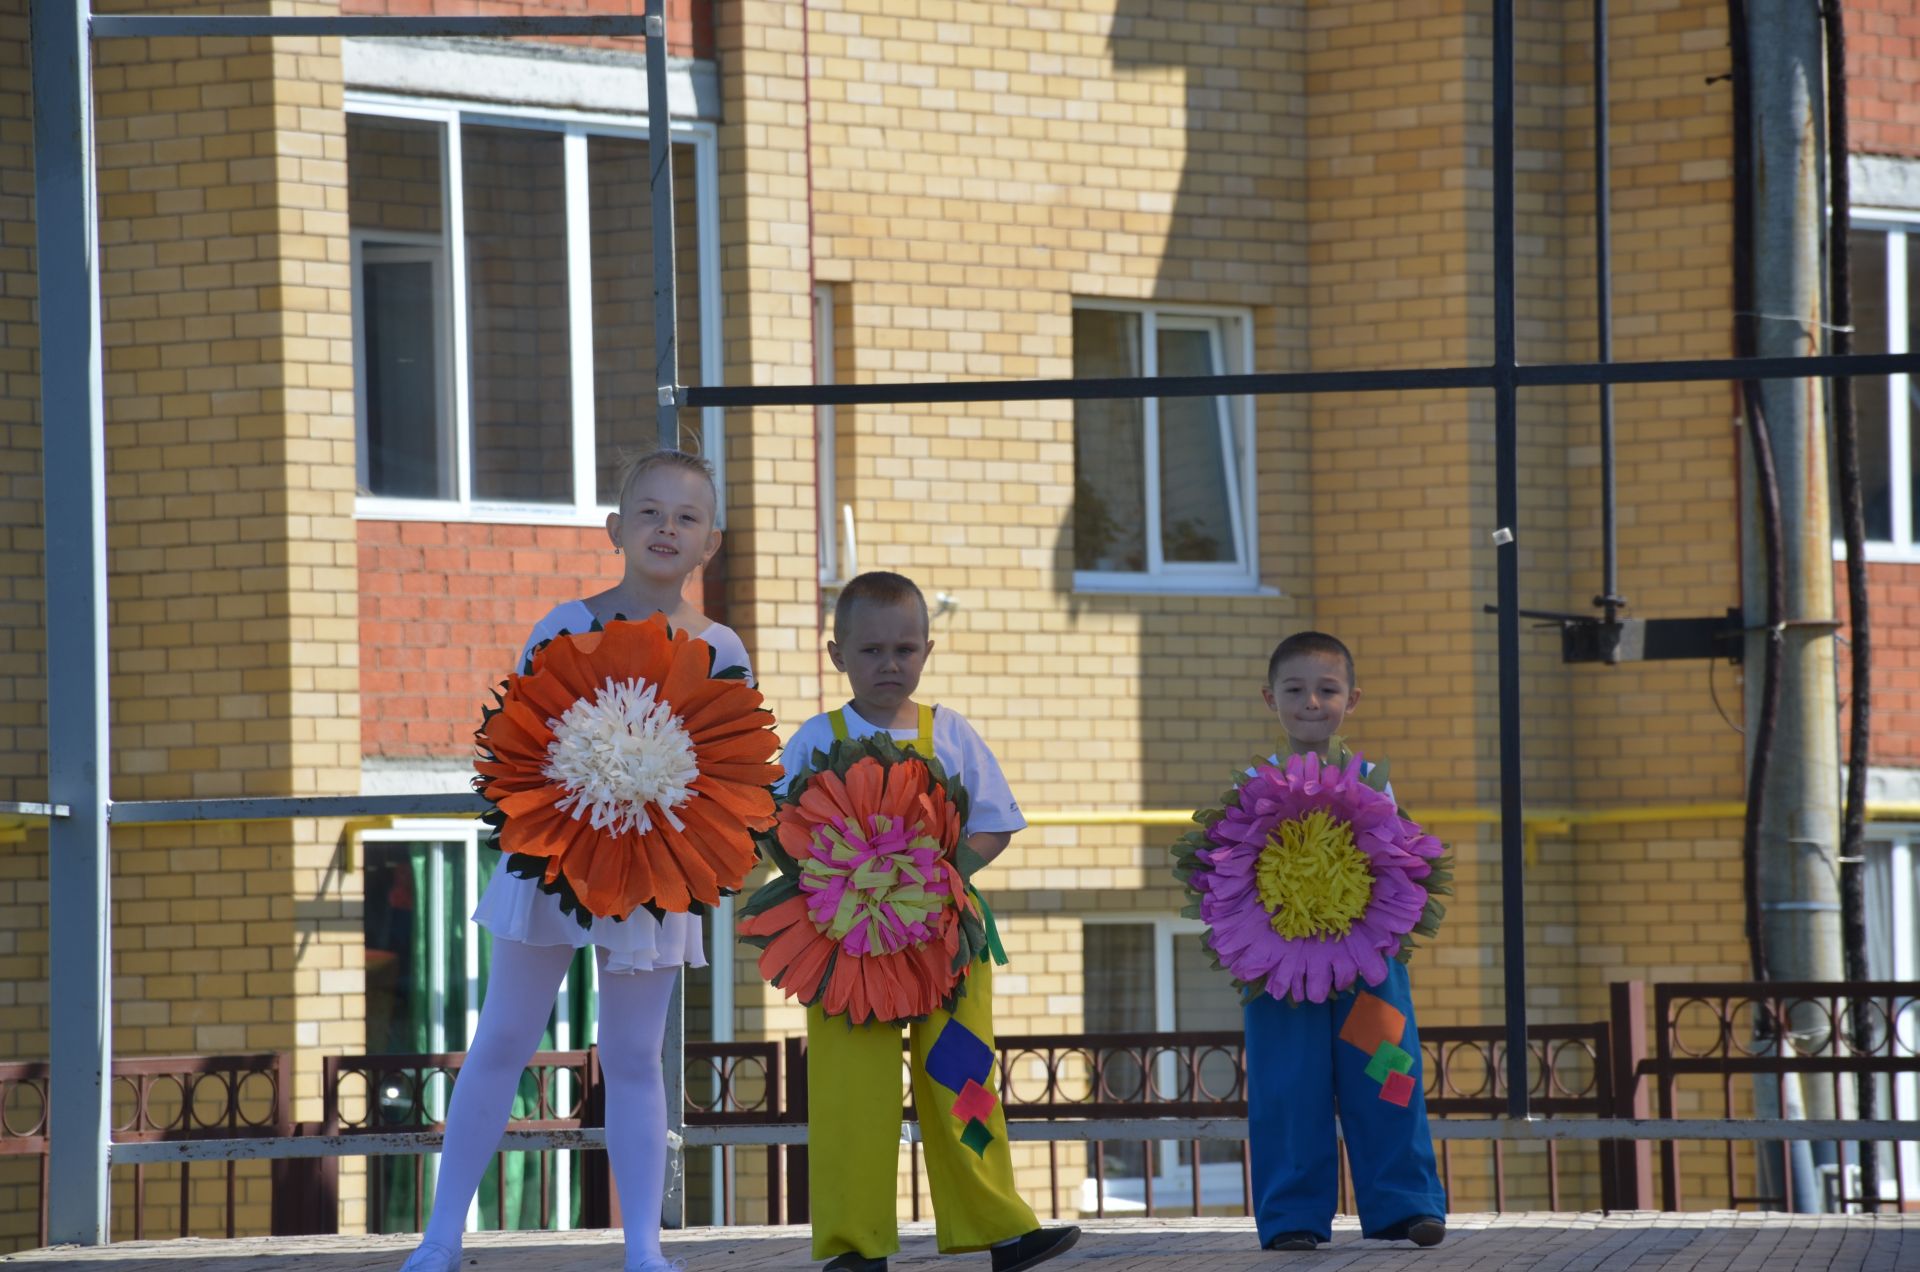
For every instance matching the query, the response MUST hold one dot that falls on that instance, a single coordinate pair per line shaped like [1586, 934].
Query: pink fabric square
[1397, 1089]
[974, 1103]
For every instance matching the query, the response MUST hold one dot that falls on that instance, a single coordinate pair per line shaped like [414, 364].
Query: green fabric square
[1388, 1058]
[977, 1137]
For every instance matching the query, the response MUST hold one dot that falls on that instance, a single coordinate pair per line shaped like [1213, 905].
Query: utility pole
[1798, 844]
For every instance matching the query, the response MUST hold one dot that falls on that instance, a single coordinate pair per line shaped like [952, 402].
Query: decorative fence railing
[160, 1099]
[1156, 1111]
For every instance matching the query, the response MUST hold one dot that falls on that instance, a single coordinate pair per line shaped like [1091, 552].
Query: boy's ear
[713, 546]
[1353, 699]
[613, 528]
[929, 652]
[1266, 696]
[833, 652]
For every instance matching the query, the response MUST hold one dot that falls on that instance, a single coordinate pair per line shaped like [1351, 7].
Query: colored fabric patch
[1397, 1089]
[957, 1057]
[1388, 1059]
[1372, 1021]
[974, 1104]
[977, 1137]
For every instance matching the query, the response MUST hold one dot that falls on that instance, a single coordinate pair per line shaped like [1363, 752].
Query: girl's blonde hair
[637, 466]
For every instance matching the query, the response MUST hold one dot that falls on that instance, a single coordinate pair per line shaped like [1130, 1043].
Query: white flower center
[622, 757]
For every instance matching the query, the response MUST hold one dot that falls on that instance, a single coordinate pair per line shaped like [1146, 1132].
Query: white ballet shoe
[656, 1263]
[431, 1256]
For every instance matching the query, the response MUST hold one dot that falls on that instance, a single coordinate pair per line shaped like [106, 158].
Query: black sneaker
[1034, 1248]
[1422, 1230]
[853, 1262]
[1294, 1241]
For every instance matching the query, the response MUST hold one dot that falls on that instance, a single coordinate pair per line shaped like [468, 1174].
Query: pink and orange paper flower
[1309, 878]
[868, 914]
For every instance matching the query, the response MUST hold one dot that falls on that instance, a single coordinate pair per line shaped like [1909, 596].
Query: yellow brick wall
[977, 169]
[233, 643]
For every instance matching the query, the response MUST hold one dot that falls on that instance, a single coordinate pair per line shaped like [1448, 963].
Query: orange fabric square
[1372, 1021]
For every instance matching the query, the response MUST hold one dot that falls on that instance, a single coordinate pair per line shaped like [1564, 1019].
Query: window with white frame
[1891, 875]
[1155, 974]
[1885, 254]
[1163, 487]
[503, 306]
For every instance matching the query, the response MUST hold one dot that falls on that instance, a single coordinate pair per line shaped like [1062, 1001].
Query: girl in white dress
[665, 530]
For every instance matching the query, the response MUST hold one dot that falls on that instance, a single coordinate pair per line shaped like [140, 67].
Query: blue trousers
[1297, 1068]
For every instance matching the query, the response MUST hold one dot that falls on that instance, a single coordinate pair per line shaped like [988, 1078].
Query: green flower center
[1312, 879]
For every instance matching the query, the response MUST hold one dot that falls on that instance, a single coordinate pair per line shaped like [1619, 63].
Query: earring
[616, 549]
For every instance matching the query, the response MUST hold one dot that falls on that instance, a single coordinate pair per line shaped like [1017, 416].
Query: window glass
[396, 207]
[620, 217]
[517, 328]
[1196, 496]
[1868, 256]
[1109, 448]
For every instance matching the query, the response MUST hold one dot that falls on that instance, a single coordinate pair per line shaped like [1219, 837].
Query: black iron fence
[1711, 1042]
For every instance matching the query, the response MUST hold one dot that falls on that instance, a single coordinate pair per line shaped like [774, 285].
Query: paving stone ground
[1643, 1242]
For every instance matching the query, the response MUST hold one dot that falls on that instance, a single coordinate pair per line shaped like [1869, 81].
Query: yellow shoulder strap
[924, 743]
[838, 719]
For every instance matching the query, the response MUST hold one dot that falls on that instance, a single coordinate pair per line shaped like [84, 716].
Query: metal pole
[1506, 449]
[73, 459]
[666, 376]
[673, 1210]
[666, 300]
[1609, 599]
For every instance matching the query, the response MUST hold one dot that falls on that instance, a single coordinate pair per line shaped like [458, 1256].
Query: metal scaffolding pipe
[73, 459]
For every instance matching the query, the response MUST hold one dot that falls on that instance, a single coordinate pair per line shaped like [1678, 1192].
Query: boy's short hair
[636, 466]
[1309, 643]
[878, 587]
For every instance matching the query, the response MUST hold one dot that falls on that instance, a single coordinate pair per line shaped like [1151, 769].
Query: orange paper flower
[869, 915]
[626, 773]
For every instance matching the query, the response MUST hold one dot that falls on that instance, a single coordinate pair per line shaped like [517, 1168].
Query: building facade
[378, 326]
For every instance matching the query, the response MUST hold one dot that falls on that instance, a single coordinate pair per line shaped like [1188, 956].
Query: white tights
[633, 1014]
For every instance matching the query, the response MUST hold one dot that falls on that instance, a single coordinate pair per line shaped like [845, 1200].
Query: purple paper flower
[1310, 879]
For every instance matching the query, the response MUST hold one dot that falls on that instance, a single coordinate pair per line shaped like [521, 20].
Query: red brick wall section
[689, 22]
[1883, 67]
[444, 609]
[1893, 592]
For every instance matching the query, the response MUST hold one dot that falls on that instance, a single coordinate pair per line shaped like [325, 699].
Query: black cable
[1853, 520]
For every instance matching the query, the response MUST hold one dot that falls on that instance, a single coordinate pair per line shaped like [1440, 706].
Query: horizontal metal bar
[160, 26]
[405, 1143]
[152, 812]
[383, 1144]
[13, 808]
[155, 812]
[1301, 382]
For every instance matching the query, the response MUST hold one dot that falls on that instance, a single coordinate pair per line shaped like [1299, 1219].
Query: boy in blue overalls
[1303, 1057]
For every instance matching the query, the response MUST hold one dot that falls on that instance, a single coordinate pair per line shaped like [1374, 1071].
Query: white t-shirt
[575, 617]
[990, 803]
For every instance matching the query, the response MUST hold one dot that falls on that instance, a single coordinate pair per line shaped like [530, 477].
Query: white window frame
[1903, 842]
[410, 248]
[1221, 1184]
[1242, 575]
[574, 127]
[1902, 227]
[834, 571]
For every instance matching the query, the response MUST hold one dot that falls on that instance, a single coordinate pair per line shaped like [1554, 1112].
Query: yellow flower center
[1312, 879]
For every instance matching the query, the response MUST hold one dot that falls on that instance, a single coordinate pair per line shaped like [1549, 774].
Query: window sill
[1086, 584]
[1882, 552]
[376, 508]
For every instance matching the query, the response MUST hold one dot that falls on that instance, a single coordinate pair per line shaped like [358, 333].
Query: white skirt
[515, 909]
